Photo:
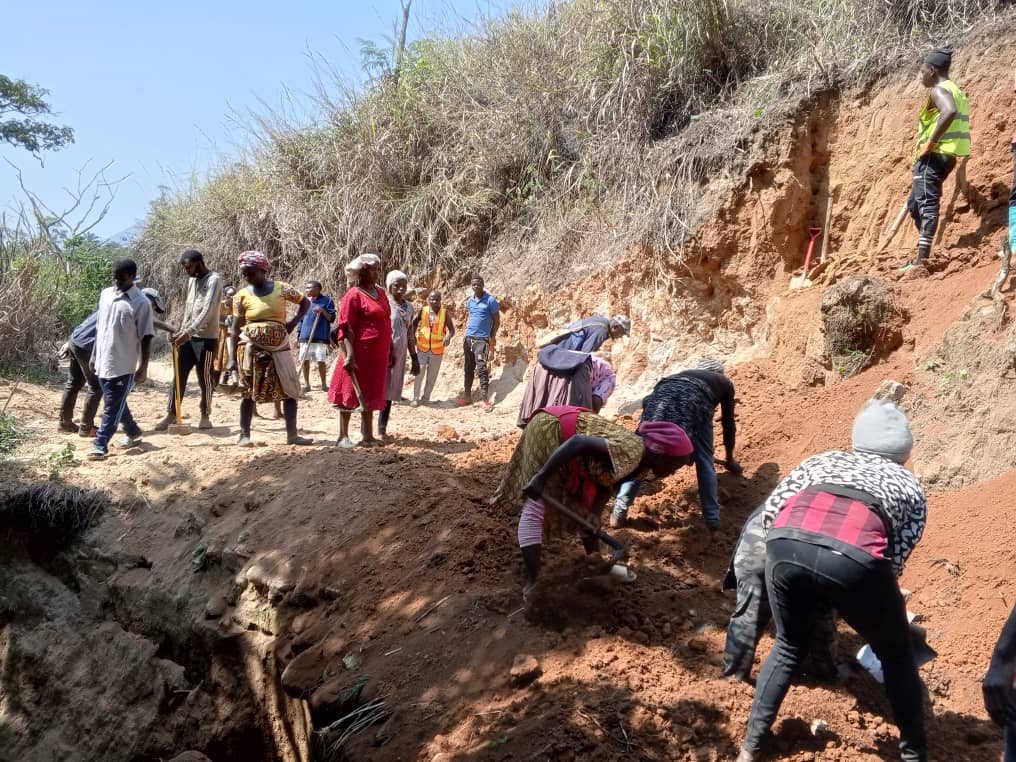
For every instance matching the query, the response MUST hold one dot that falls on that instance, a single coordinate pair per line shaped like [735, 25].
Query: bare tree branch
[90, 202]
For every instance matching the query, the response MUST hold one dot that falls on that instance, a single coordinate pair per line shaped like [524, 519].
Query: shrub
[626, 106]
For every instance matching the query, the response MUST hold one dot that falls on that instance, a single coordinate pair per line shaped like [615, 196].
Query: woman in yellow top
[261, 339]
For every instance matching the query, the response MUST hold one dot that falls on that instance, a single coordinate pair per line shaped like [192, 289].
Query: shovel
[800, 281]
[618, 570]
[893, 230]
[178, 428]
[305, 347]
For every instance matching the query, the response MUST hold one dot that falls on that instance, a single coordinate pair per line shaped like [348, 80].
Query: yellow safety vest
[427, 341]
[956, 141]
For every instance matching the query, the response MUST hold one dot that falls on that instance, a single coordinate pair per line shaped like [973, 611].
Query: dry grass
[626, 106]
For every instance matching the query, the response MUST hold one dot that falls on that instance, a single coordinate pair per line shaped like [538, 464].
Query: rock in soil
[525, 669]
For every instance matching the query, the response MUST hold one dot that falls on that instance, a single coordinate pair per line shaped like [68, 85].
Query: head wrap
[156, 297]
[354, 267]
[665, 437]
[940, 58]
[881, 428]
[711, 363]
[395, 275]
[369, 260]
[624, 322]
[254, 260]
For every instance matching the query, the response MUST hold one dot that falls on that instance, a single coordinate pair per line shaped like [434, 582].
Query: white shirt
[124, 319]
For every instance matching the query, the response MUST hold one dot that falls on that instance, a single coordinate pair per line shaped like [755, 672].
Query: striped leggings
[531, 523]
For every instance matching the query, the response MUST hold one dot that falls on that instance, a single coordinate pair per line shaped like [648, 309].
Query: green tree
[22, 108]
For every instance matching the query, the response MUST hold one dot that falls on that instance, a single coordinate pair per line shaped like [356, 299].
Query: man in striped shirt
[839, 529]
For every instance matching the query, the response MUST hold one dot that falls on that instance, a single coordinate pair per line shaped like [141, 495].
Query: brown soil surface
[326, 564]
[397, 560]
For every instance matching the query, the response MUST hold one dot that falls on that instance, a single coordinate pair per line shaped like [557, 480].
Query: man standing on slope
[123, 341]
[484, 319]
[198, 337]
[943, 136]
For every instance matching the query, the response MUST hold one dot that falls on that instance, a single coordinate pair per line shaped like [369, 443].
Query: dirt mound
[861, 321]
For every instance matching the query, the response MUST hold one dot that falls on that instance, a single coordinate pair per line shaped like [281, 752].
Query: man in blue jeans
[123, 340]
[689, 399]
[484, 319]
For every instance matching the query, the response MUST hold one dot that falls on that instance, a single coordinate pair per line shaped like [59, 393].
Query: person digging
[689, 399]
[571, 459]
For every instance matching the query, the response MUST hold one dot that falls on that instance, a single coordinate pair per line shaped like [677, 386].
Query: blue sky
[152, 86]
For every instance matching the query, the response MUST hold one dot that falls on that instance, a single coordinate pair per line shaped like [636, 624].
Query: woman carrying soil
[838, 530]
[365, 334]
[574, 457]
[403, 344]
[260, 348]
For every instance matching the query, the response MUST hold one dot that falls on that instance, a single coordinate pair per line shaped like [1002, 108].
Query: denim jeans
[705, 471]
[115, 412]
[799, 574]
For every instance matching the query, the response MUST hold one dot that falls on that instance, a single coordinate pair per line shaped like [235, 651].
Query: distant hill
[127, 236]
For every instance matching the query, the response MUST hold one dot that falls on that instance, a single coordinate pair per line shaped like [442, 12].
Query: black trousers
[78, 375]
[930, 173]
[200, 354]
[476, 363]
[867, 596]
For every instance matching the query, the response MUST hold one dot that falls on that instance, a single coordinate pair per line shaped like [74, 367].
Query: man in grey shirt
[123, 341]
[198, 338]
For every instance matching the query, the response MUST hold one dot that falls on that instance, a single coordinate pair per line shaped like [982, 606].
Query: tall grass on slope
[530, 114]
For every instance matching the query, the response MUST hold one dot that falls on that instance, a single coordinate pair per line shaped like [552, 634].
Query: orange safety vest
[426, 340]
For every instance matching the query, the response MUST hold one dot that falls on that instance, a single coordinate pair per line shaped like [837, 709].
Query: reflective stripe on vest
[426, 341]
[956, 140]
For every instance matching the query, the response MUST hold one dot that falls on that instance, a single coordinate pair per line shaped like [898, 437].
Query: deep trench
[220, 710]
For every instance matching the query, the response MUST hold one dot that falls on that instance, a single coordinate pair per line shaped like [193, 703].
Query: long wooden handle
[310, 339]
[176, 380]
[894, 229]
[359, 392]
[619, 550]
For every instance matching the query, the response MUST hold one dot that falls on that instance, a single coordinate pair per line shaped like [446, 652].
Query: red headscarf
[665, 437]
[254, 260]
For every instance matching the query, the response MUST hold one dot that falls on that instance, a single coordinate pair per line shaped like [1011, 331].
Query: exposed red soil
[398, 559]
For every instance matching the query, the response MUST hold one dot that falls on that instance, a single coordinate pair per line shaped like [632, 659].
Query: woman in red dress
[365, 333]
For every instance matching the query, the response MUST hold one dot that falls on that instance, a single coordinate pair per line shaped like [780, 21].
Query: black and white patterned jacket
[899, 490]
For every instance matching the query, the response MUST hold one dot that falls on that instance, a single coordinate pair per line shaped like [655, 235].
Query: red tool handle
[815, 233]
